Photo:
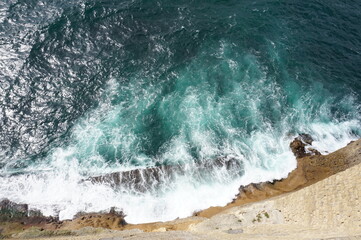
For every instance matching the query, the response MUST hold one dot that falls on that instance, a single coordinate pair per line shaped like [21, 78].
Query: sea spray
[89, 88]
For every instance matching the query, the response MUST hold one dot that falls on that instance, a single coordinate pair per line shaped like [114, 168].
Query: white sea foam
[58, 190]
[330, 137]
[197, 118]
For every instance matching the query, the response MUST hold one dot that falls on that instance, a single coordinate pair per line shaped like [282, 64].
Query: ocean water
[90, 87]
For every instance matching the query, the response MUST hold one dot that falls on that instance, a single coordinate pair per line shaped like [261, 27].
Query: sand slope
[327, 209]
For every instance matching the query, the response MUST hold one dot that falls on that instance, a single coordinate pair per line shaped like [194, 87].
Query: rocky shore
[326, 205]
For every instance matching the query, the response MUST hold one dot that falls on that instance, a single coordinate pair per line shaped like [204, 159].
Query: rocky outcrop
[299, 144]
[12, 211]
[298, 148]
[111, 220]
[17, 218]
[142, 180]
[311, 168]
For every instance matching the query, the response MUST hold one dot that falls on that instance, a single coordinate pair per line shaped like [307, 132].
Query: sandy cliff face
[327, 209]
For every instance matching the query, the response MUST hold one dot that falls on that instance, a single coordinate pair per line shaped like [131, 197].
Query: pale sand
[329, 209]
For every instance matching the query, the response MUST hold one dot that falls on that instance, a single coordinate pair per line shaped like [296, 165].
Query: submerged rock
[140, 180]
[143, 180]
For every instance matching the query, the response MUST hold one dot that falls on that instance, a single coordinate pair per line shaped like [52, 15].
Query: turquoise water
[93, 87]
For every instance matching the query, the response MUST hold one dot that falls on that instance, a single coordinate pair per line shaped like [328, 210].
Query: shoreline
[310, 170]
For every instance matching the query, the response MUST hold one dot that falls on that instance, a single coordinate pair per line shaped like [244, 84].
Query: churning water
[92, 87]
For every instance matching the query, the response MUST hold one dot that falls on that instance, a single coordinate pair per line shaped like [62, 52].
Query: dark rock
[314, 151]
[298, 148]
[306, 138]
[14, 212]
[35, 213]
[118, 213]
[112, 210]
[7, 204]
[144, 180]
[10, 211]
[139, 180]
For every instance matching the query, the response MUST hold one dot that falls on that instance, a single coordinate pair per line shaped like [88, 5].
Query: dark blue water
[90, 87]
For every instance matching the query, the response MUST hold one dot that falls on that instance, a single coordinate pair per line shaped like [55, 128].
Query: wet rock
[139, 180]
[299, 144]
[10, 211]
[144, 180]
[120, 214]
[14, 212]
[113, 211]
[298, 148]
[306, 138]
[35, 213]
[314, 151]
[7, 204]
[229, 163]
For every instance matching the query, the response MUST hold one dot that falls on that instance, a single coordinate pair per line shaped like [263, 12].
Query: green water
[93, 87]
